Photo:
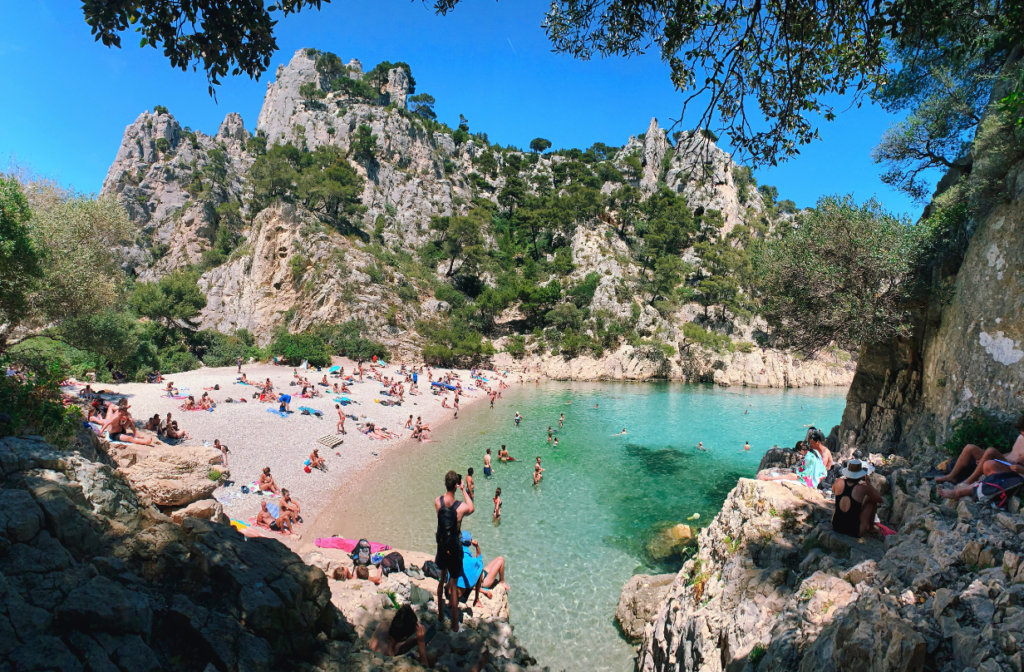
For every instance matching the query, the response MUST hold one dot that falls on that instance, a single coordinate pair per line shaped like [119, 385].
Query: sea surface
[573, 541]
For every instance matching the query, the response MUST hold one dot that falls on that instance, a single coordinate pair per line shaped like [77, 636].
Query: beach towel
[238, 524]
[254, 488]
[177, 396]
[283, 414]
[349, 545]
[330, 440]
[312, 411]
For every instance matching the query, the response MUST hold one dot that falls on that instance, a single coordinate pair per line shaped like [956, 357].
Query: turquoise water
[573, 541]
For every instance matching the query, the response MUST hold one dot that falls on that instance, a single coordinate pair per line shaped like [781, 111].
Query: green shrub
[516, 346]
[694, 333]
[159, 109]
[757, 654]
[225, 349]
[177, 360]
[745, 347]
[297, 264]
[214, 475]
[408, 294]
[982, 428]
[35, 406]
[163, 145]
[298, 347]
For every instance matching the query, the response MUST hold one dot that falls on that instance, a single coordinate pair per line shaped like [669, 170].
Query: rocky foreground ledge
[93, 577]
[772, 588]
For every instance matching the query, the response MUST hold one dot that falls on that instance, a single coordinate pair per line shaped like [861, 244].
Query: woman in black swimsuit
[856, 501]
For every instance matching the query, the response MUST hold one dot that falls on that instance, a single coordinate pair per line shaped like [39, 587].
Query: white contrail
[513, 48]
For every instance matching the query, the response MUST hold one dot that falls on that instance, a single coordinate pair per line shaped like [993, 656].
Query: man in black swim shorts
[450, 513]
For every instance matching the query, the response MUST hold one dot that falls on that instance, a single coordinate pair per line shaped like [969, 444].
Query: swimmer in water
[561, 419]
[700, 445]
[549, 434]
[746, 446]
[519, 418]
[556, 442]
[621, 433]
[595, 405]
[537, 471]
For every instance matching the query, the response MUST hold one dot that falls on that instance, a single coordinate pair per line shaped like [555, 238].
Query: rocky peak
[397, 88]
[355, 65]
[283, 96]
[139, 145]
[654, 148]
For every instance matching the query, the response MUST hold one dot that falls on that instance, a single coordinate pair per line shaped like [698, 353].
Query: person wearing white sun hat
[856, 500]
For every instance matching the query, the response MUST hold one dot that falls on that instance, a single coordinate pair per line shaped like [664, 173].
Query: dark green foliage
[461, 134]
[298, 347]
[174, 301]
[378, 76]
[322, 180]
[351, 339]
[19, 260]
[845, 275]
[516, 346]
[453, 343]
[769, 193]
[256, 145]
[743, 178]
[355, 87]
[225, 349]
[539, 145]
[159, 109]
[311, 92]
[327, 64]
[422, 105]
[694, 334]
[163, 145]
[34, 405]
[982, 428]
[787, 206]
[364, 145]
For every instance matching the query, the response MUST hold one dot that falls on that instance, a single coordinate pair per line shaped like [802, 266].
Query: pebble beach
[257, 438]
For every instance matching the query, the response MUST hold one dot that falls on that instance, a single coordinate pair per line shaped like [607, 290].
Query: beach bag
[392, 562]
[997, 489]
[448, 536]
[361, 554]
[307, 469]
[830, 478]
[431, 570]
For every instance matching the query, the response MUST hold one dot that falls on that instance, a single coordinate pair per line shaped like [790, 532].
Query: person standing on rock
[450, 513]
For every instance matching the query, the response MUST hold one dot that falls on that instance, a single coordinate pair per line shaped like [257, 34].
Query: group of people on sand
[116, 420]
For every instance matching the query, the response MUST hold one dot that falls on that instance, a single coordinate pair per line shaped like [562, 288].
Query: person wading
[450, 513]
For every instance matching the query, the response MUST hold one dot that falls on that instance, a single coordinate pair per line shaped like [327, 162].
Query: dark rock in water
[778, 458]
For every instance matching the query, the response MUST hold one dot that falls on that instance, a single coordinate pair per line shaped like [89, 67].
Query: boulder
[639, 602]
[175, 476]
[204, 509]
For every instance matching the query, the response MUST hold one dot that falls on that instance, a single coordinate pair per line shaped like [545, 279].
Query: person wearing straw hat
[856, 501]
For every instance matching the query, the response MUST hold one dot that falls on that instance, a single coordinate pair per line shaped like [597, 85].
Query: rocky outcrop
[171, 476]
[639, 603]
[769, 368]
[92, 577]
[773, 588]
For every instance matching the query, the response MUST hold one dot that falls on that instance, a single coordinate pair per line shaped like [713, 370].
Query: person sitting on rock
[290, 506]
[856, 501]
[153, 425]
[265, 518]
[474, 575]
[809, 470]
[315, 461]
[403, 633]
[267, 483]
[122, 427]
[1011, 461]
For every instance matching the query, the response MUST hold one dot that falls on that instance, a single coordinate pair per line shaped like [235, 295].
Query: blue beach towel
[277, 412]
[312, 411]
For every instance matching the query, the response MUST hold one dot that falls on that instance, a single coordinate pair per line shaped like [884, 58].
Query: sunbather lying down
[989, 461]
[380, 433]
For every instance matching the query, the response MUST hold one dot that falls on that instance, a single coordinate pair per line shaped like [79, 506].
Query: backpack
[361, 554]
[448, 535]
[430, 569]
[392, 562]
[997, 489]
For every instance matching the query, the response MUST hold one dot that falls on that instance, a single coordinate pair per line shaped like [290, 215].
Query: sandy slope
[258, 439]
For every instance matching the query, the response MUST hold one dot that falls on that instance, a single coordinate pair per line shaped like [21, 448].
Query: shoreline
[257, 438]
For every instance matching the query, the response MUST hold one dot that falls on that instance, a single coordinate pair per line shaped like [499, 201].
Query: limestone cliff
[183, 188]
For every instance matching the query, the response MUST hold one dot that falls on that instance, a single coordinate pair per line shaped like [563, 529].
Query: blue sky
[67, 99]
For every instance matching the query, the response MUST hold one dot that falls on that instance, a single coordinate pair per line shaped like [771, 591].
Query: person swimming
[620, 433]
[700, 445]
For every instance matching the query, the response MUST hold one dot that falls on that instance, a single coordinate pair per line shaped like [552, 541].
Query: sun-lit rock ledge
[772, 588]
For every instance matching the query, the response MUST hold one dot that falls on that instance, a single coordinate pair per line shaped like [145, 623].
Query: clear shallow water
[573, 541]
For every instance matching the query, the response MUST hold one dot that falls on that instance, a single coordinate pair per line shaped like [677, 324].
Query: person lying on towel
[989, 461]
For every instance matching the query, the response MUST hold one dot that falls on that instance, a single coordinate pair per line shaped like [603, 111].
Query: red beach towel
[349, 545]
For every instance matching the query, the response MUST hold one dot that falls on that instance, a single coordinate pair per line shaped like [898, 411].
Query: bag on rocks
[392, 562]
[997, 489]
[361, 554]
[431, 570]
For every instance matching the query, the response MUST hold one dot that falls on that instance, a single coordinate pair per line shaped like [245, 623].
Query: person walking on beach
[456, 407]
[450, 513]
[239, 364]
[341, 419]
[487, 463]
[561, 419]
[497, 504]
[537, 471]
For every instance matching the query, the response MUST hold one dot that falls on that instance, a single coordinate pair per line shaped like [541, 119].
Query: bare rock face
[639, 603]
[654, 150]
[175, 475]
[203, 509]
